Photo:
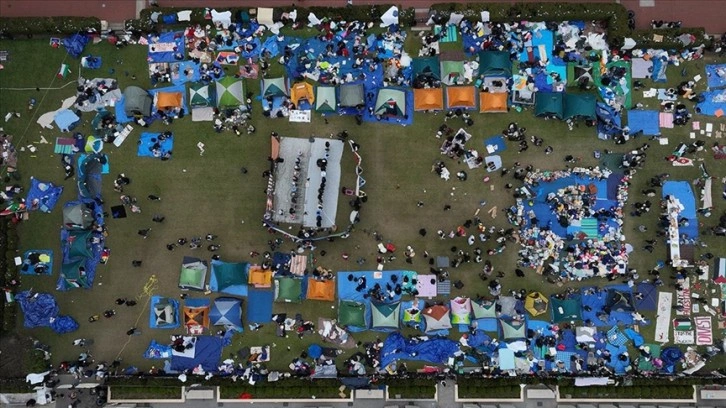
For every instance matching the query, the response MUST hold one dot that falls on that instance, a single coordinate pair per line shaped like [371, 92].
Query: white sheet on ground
[184, 15]
[264, 16]
[585, 334]
[203, 114]
[313, 20]
[706, 199]
[663, 318]
[46, 120]
[224, 17]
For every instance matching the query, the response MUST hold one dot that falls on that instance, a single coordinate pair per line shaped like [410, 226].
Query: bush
[10, 26]
[8, 272]
[145, 392]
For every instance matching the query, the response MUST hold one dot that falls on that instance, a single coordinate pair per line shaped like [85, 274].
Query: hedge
[10, 26]
[8, 272]
[360, 13]
[417, 388]
[671, 391]
[138, 392]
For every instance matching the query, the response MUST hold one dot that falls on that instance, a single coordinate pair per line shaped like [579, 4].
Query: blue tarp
[34, 264]
[608, 121]
[46, 193]
[714, 103]
[670, 356]
[147, 141]
[645, 121]
[207, 353]
[156, 45]
[259, 305]
[157, 351]
[596, 300]
[66, 120]
[91, 62]
[41, 310]
[184, 71]
[75, 44]
[716, 75]
[539, 37]
[659, 70]
[650, 297]
[436, 351]
[497, 143]
[683, 192]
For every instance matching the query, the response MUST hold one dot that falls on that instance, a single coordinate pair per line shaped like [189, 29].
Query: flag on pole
[63, 71]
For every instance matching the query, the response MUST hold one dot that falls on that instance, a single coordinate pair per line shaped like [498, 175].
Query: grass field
[208, 194]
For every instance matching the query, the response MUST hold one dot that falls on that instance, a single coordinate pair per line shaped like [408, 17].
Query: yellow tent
[168, 100]
[302, 90]
[259, 278]
[536, 303]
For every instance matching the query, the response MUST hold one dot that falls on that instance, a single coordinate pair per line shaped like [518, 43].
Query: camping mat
[647, 365]
[451, 34]
[64, 145]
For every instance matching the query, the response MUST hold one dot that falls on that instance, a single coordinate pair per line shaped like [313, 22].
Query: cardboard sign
[300, 116]
[704, 331]
[684, 337]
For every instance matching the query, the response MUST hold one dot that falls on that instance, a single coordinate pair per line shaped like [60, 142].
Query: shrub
[145, 392]
[48, 25]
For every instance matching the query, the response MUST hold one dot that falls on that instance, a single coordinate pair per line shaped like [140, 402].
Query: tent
[196, 315]
[536, 303]
[201, 94]
[72, 276]
[274, 87]
[390, 102]
[549, 104]
[259, 277]
[426, 67]
[513, 329]
[619, 301]
[437, 318]
[288, 289]
[463, 97]
[229, 277]
[227, 312]
[321, 289]
[230, 92]
[77, 216]
[452, 72]
[385, 315]
[164, 313]
[579, 106]
[325, 99]
[351, 95]
[428, 99]
[483, 309]
[493, 102]
[495, 63]
[351, 313]
[88, 179]
[566, 309]
[302, 91]
[719, 273]
[137, 102]
[461, 310]
[193, 273]
[171, 100]
[79, 244]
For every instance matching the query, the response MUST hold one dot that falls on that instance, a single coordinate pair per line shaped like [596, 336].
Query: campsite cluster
[567, 225]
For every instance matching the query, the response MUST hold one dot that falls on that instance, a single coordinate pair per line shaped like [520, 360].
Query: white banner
[300, 116]
[704, 331]
[683, 299]
[663, 319]
[684, 337]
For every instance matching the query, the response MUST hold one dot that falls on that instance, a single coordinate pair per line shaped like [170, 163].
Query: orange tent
[428, 99]
[259, 278]
[321, 289]
[196, 318]
[493, 102]
[460, 97]
[168, 100]
[302, 90]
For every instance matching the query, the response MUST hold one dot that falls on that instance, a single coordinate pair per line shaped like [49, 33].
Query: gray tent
[351, 95]
[77, 216]
[89, 176]
[137, 101]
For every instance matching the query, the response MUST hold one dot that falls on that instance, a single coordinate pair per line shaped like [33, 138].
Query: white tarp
[264, 16]
[224, 18]
[663, 318]
[390, 17]
[184, 15]
[300, 116]
[706, 199]
[313, 20]
[588, 381]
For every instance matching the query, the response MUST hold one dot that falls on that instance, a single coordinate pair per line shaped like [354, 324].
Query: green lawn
[208, 194]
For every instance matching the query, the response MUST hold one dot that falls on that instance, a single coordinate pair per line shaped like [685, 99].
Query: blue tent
[608, 121]
[227, 312]
[164, 313]
[75, 44]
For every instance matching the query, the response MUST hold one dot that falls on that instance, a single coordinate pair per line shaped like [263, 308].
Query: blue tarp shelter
[150, 145]
[164, 313]
[227, 312]
[229, 277]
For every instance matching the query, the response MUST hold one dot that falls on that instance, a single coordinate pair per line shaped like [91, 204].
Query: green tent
[288, 290]
[77, 216]
[579, 73]
[567, 309]
[325, 99]
[426, 66]
[483, 309]
[79, 244]
[549, 104]
[579, 106]
[229, 277]
[351, 313]
[385, 315]
[230, 92]
[513, 330]
[72, 276]
[495, 63]
[274, 87]
[351, 95]
[193, 273]
[451, 71]
[391, 102]
[201, 94]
